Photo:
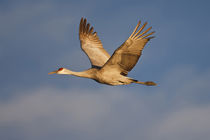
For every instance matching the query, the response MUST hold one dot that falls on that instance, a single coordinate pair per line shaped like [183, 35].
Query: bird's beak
[53, 72]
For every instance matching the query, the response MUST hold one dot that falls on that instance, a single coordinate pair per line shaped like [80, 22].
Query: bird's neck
[85, 74]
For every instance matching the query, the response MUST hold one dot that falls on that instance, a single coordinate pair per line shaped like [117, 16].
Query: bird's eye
[60, 69]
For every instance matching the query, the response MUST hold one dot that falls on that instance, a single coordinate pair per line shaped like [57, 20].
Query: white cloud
[167, 112]
[187, 123]
[88, 112]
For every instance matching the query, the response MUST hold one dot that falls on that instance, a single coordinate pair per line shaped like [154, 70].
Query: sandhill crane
[110, 70]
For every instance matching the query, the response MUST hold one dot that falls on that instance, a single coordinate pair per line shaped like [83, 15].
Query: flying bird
[106, 69]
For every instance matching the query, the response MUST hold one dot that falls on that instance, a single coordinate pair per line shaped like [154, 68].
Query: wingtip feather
[147, 36]
[134, 31]
[85, 28]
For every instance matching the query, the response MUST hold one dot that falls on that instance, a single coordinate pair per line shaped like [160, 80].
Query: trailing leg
[147, 83]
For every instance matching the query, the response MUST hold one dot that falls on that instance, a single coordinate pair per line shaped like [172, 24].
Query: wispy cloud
[112, 112]
[187, 123]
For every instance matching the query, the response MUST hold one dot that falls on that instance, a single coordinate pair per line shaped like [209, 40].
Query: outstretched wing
[127, 55]
[91, 45]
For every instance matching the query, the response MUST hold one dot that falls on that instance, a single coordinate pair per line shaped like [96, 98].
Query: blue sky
[37, 37]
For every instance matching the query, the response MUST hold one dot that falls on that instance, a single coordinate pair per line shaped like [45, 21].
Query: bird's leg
[147, 83]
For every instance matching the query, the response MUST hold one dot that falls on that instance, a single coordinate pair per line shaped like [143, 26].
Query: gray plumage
[111, 70]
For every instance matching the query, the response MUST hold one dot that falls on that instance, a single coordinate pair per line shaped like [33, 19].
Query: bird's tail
[147, 83]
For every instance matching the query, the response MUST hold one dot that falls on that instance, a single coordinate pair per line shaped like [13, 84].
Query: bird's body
[106, 69]
[99, 75]
[111, 78]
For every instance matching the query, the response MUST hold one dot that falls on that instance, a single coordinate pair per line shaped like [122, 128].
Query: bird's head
[61, 71]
